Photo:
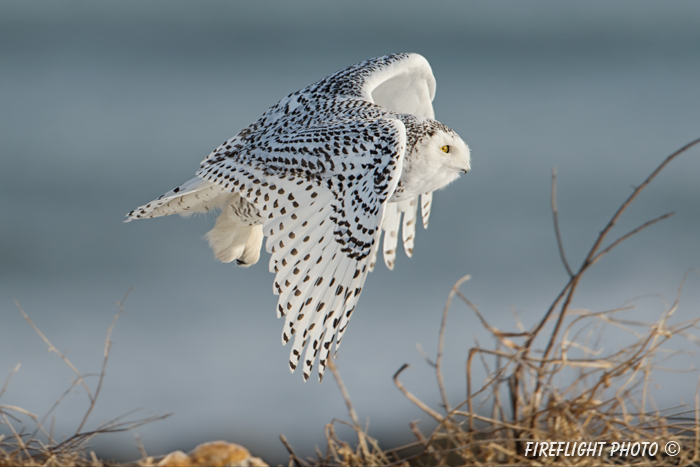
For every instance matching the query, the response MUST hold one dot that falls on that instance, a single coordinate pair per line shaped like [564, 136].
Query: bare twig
[413, 398]
[632, 197]
[53, 349]
[298, 462]
[628, 235]
[555, 215]
[108, 346]
[441, 342]
[422, 353]
[141, 447]
[351, 410]
[7, 380]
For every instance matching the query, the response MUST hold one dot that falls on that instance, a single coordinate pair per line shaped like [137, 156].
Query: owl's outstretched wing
[403, 83]
[322, 198]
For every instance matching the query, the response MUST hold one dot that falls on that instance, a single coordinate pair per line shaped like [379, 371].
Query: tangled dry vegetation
[605, 396]
[37, 445]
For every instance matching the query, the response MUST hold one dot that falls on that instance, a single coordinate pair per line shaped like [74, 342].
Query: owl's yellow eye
[445, 149]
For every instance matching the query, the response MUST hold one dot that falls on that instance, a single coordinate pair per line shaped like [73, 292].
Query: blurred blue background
[106, 105]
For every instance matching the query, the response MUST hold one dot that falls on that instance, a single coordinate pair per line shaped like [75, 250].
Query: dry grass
[37, 445]
[561, 386]
[572, 389]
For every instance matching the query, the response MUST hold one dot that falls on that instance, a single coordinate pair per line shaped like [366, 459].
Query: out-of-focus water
[105, 106]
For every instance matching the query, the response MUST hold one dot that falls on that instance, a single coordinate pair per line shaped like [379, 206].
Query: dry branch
[40, 447]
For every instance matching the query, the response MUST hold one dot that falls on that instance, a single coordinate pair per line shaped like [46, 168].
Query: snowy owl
[322, 174]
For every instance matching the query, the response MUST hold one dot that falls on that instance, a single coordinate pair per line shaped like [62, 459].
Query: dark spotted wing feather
[321, 195]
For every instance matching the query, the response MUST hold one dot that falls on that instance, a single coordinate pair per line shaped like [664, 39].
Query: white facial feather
[428, 168]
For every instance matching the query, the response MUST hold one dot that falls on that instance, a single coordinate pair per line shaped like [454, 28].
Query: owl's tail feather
[237, 234]
[195, 195]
